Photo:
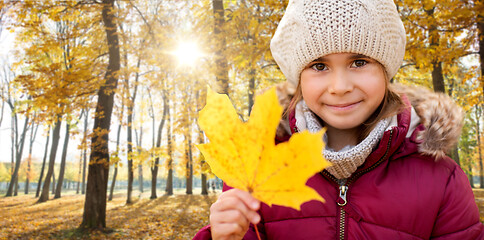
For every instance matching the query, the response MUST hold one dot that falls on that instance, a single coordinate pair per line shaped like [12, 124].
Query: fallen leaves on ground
[479, 196]
[168, 217]
[245, 156]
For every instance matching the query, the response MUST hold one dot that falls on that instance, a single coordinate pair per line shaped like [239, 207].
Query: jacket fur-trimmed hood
[439, 114]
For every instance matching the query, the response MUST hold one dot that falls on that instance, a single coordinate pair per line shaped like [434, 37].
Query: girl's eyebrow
[321, 59]
[358, 56]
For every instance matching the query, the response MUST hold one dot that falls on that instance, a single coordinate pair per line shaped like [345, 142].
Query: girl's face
[343, 89]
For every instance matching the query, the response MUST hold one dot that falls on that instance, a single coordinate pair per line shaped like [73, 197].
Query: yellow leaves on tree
[4, 173]
[27, 172]
[245, 156]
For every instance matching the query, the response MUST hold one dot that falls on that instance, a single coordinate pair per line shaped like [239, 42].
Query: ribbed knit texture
[347, 160]
[311, 29]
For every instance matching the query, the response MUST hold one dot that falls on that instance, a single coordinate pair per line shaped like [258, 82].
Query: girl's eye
[359, 63]
[318, 67]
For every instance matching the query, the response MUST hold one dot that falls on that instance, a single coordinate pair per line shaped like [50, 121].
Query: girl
[390, 177]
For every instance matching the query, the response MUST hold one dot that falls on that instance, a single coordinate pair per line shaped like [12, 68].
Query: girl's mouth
[343, 107]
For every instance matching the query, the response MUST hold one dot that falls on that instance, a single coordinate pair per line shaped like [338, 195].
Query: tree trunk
[16, 188]
[481, 174]
[154, 169]
[471, 176]
[169, 178]
[478, 113]
[251, 89]
[190, 158]
[130, 152]
[14, 179]
[113, 183]
[480, 26]
[94, 216]
[140, 178]
[84, 172]
[44, 196]
[188, 153]
[221, 66]
[79, 174]
[60, 179]
[201, 96]
[33, 134]
[14, 137]
[84, 150]
[2, 111]
[189, 167]
[84, 112]
[53, 180]
[27, 180]
[204, 184]
[43, 163]
[202, 163]
[455, 154]
[438, 78]
[140, 164]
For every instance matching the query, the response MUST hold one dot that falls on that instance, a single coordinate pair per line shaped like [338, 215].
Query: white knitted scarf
[347, 160]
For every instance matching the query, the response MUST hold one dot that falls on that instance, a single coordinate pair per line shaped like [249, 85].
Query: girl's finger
[233, 202]
[227, 231]
[248, 199]
[229, 217]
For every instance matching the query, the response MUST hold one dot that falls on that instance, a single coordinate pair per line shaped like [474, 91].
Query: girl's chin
[340, 122]
[342, 125]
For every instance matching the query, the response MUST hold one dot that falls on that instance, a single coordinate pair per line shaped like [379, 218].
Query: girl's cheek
[312, 85]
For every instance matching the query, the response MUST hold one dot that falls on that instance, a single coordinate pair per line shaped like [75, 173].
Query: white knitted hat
[311, 29]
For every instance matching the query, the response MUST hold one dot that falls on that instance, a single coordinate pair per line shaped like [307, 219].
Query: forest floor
[479, 195]
[168, 217]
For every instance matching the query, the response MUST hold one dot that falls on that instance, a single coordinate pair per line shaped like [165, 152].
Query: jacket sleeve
[205, 234]
[458, 217]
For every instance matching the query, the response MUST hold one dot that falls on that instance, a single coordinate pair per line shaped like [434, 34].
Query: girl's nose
[340, 83]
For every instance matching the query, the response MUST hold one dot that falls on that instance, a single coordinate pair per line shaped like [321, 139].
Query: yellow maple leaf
[244, 155]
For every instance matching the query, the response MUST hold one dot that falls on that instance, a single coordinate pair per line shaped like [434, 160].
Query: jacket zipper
[342, 224]
[343, 188]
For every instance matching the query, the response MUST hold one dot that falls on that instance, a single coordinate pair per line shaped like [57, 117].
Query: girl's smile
[343, 107]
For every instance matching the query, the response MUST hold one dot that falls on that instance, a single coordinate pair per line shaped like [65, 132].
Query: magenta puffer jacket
[398, 193]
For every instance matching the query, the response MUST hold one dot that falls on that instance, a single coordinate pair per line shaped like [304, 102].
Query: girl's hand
[232, 213]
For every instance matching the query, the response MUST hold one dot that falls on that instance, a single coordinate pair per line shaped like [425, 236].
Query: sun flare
[187, 53]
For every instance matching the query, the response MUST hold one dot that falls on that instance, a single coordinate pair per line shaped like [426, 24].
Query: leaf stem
[257, 232]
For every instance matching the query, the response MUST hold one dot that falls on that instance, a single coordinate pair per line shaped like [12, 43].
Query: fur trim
[441, 116]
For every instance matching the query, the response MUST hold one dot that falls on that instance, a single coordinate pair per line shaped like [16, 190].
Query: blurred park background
[109, 90]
